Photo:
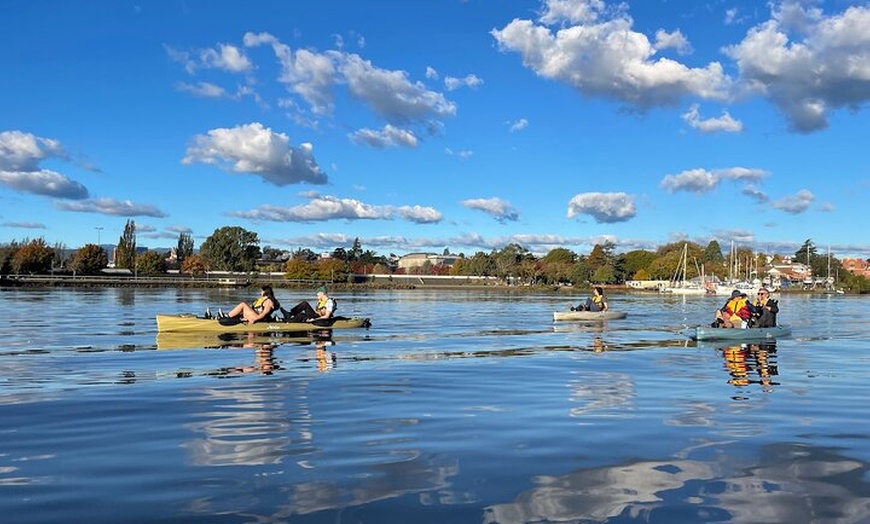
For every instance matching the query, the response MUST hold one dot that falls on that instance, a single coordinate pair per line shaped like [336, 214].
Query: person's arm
[328, 308]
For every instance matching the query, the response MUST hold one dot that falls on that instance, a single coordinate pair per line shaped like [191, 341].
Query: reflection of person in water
[264, 360]
[325, 359]
[598, 345]
[746, 360]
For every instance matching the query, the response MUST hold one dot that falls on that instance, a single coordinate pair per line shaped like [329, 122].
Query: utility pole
[98, 228]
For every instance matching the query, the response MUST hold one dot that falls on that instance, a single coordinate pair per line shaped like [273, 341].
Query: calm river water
[455, 407]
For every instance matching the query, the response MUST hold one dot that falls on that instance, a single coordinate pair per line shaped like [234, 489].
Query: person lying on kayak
[735, 313]
[596, 302]
[764, 310]
[260, 309]
[303, 312]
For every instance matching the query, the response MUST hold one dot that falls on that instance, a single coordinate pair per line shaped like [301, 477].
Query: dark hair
[599, 290]
[267, 289]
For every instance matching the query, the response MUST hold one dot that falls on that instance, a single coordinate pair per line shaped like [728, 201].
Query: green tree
[604, 256]
[340, 253]
[33, 257]
[481, 265]
[125, 253]
[89, 259]
[559, 255]
[356, 250]
[807, 254]
[558, 266]
[507, 260]
[151, 263]
[7, 253]
[305, 254]
[712, 253]
[579, 272]
[604, 275]
[184, 248]
[599, 257]
[231, 248]
[633, 262]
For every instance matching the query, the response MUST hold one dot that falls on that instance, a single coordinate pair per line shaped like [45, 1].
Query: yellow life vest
[259, 304]
[734, 306]
[321, 305]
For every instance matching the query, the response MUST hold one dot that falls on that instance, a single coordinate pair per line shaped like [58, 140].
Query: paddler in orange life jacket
[735, 313]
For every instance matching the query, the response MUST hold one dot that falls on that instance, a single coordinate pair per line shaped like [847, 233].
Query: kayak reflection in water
[746, 361]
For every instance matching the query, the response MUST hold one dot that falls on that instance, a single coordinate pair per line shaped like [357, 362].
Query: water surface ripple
[456, 406]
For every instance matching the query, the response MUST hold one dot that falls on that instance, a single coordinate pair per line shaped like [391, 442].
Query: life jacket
[323, 305]
[258, 304]
[736, 308]
[599, 301]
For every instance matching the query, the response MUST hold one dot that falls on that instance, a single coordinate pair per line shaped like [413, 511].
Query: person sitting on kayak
[735, 313]
[303, 312]
[261, 309]
[596, 302]
[764, 310]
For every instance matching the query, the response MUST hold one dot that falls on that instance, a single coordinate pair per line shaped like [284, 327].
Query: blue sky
[433, 124]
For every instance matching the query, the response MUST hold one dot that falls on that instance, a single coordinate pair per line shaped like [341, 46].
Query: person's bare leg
[239, 310]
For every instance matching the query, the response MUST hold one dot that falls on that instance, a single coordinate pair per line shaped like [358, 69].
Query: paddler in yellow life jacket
[735, 313]
[596, 302]
[303, 312]
[260, 309]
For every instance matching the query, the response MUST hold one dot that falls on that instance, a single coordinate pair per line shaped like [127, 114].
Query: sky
[427, 125]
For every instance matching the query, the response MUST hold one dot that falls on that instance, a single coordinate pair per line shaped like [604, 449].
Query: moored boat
[191, 323]
[588, 315]
[702, 333]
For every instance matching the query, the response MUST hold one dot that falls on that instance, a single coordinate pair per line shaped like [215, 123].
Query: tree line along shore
[234, 253]
[360, 283]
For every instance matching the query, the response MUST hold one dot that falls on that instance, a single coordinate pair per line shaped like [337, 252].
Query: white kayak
[588, 315]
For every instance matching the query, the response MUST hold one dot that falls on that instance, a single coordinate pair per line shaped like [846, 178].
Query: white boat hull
[588, 315]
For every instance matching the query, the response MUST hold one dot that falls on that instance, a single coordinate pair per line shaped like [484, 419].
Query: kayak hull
[588, 315]
[702, 333]
[194, 324]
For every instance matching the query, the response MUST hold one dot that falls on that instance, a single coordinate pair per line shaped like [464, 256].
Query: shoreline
[379, 282]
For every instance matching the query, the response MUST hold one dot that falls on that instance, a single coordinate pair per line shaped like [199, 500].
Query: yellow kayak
[188, 323]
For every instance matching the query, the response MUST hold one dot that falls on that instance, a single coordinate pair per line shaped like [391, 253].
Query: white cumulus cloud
[603, 207]
[257, 150]
[499, 209]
